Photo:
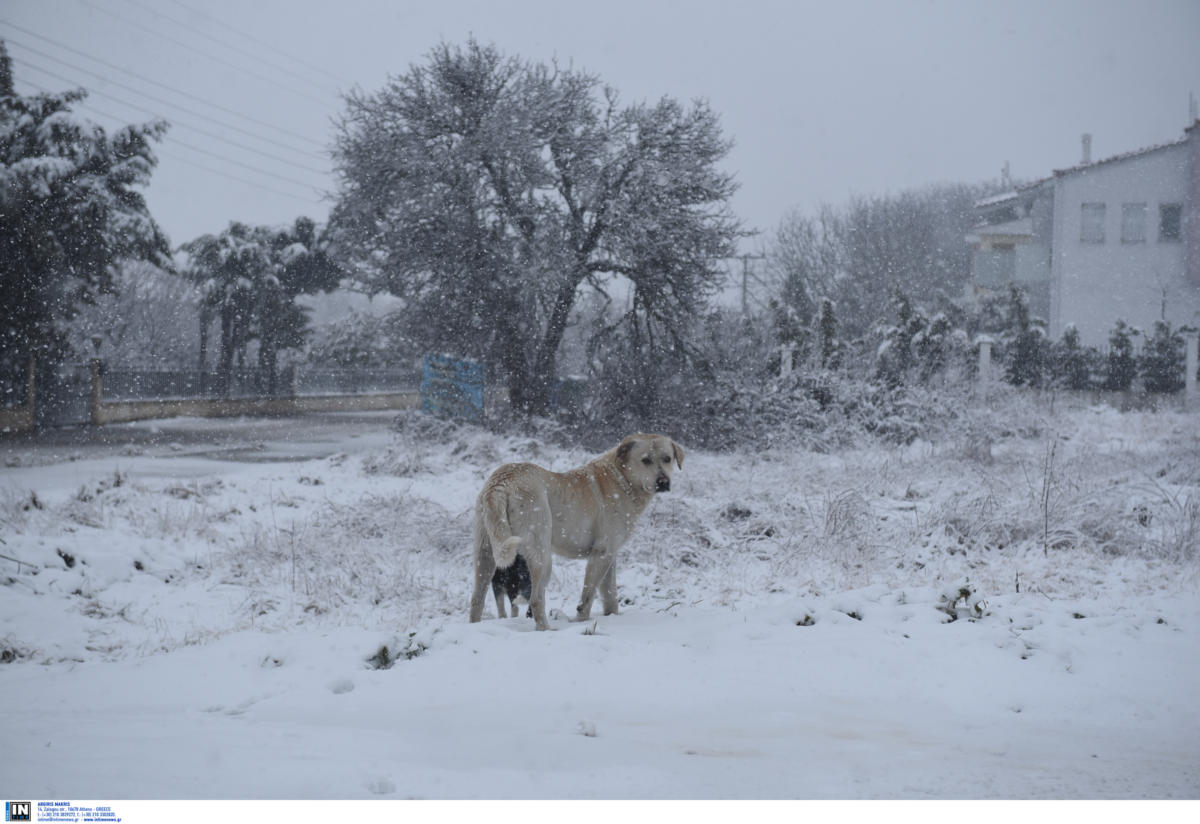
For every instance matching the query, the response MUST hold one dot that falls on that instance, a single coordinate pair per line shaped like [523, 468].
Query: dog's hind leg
[540, 562]
[485, 568]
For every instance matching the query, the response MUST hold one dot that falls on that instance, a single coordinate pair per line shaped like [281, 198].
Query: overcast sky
[825, 100]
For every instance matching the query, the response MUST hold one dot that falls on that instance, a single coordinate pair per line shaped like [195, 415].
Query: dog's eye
[647, 460]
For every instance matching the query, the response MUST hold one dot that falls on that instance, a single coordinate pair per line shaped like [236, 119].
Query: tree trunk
[267, 361]
[205, 321]
[225, 357]
[539, 389]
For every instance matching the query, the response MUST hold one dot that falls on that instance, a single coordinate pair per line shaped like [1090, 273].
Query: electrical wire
[164, 86]
[181, 159]
[174, 121]
[222, 43]
[306, 186]
[233, 29]
[160, 36]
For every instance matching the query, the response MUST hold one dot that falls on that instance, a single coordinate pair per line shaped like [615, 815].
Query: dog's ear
[624, 447]
[678, 454]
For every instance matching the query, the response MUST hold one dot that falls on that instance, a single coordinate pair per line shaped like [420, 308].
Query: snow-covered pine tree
[1120, 366]
[1026, 343]
[1161, 364]
[69, 212]
[1071, 362]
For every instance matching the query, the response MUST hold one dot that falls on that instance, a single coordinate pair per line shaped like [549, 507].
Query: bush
[1028, 348]
[1120, 367]
[1071, 364]
[1162, 362]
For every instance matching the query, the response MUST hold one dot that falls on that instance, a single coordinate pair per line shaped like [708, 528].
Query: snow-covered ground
[1007, 610]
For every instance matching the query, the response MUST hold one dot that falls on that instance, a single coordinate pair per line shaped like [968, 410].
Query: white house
[1114, 239]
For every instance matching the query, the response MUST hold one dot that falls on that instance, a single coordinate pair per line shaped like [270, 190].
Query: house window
[1170, 222]
[1092, 225]
[1133, 222]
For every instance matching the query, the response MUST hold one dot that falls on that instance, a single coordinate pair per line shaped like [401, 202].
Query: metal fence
[312, 381]
[151, 384]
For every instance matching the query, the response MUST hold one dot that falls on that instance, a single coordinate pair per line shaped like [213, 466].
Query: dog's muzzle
[662, 484]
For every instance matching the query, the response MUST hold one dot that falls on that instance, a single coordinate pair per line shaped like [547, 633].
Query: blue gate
[452, 388]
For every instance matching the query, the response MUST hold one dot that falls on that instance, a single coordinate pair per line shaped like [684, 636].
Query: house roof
[1014, 228]
[1117, 158]
[1025, 188]
[995, 200]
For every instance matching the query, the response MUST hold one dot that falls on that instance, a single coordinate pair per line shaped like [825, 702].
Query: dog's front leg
[599, 564]
[608, 589]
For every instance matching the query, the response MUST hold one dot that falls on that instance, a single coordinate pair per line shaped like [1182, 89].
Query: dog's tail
[505, 545]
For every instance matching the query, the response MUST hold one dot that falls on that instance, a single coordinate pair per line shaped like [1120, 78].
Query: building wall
[1094, 284]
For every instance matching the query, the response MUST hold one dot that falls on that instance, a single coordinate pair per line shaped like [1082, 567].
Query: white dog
[587, 512]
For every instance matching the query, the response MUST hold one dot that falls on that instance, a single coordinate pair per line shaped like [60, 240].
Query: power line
[180, 123]
[264, 44]
[171, 89]
[236, 179]
[191, 30]
[176, 140]
[181, 159]
[254, 169]
[149, 97]
[160, 36]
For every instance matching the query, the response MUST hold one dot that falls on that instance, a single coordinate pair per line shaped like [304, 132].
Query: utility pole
[746, 279]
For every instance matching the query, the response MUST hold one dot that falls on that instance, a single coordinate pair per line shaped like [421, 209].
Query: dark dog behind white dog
[587, 512]
[514, 583]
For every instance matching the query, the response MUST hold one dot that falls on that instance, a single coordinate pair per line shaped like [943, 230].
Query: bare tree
[147, 322]
[866, 253]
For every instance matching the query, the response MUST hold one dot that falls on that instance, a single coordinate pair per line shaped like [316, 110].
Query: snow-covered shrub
[1161, 364]
[364, 339]
[151, 320]
[1120, 367]
[1027, 344]
[1072, 366]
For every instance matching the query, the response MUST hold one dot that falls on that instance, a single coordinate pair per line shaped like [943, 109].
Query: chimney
[1087, 149]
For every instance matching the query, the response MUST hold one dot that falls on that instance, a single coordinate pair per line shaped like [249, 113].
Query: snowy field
[1007, 610]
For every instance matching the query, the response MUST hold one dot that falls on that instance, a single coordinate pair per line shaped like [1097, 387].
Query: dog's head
[649, 460]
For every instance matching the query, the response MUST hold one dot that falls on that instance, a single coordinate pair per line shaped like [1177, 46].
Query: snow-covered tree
[805, 259]
[363, 339]
[862, 254]
[1121, 365]
[1071, 362]
[69, 212]
[1026, 346]
[250, 277]
[1162, 361]
[487, 192]
[300, 265]
[827, 336]
[147, 322]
